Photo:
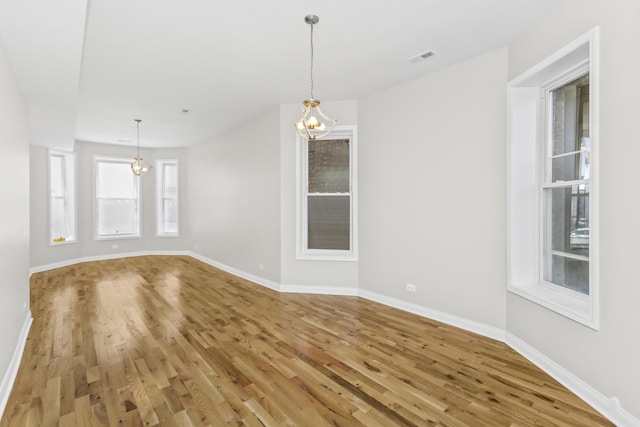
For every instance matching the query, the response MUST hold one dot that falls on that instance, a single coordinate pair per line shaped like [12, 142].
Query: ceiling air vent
[424, 55]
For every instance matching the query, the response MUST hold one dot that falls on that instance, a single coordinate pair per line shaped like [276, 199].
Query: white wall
[606, 359]
[335, 274]
[44, 254]
[432, 190]
[14, 218]
[234, 190]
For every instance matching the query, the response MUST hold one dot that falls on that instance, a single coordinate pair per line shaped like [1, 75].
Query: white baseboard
[248, 276]
[319, 290]
[69, 262]
[609, 407]
[450, 319]
[12, 371]
[460, 322]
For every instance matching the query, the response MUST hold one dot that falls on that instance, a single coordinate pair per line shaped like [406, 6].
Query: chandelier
[313, 123]
[139, 167]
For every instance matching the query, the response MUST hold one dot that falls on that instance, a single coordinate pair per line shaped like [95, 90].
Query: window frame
[547, 184]
[529, 135]
[302, 184]
[119, 160]
[70, 191]
[160, 163]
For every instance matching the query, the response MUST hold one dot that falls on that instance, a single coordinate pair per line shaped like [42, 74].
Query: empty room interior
[319, 213]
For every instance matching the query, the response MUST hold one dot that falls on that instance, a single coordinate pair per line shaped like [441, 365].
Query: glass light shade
[313, 123]
[139, 167]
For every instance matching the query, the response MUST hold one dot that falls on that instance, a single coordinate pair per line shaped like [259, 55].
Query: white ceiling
[88, 68]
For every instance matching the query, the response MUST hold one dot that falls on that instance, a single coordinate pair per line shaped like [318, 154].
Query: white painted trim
[525, 230]
[73, 261]
[302, 252]
[248, 276]
[450, 319]
[159, 187]
[319, 290]
[71, 192]
[118, 160]
[12, 371]
[609, 407]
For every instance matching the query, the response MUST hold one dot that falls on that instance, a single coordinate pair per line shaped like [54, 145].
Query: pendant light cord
[138, 121]
[311, 74]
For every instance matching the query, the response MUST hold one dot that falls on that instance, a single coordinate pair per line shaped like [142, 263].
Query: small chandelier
[139, 167]
[313, 123]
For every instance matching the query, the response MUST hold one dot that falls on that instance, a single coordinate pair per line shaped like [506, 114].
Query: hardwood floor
[172, 341]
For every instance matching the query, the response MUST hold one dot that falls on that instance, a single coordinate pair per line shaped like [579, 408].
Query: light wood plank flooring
[171, 341]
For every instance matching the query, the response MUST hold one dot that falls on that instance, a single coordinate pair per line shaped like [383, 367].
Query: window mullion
[569, 255]
[560, 184]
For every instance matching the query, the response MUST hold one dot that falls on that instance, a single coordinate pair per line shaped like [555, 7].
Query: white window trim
[138, 235]
[69, 156]
[159, 194]
[302, 253]
[527, 108]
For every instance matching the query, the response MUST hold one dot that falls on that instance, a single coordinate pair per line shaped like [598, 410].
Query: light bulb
[312, 122]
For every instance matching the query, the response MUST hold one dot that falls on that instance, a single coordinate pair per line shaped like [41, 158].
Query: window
[62, 200]
[117, 199]
[167, 223]
[327, 207]
[565, 188]
[553, 185]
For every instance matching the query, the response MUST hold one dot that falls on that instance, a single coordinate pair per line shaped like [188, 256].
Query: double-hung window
[565, 186]
[327, 208]
[167, 212]
[117, 213]
[553, 182]
[62, 200]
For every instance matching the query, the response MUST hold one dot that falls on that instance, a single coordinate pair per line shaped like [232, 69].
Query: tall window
[565, 186]
[167, 211]
[62, 200]
[117, 199]
[327, 197]
[553, 182]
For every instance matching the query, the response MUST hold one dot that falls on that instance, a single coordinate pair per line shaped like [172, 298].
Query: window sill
[118, 237]
[66, 242]
[167, 235]
[329, 256]
[568, 303]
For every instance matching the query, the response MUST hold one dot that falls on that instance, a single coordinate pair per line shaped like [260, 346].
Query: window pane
[170, 183]
[328, 222]
[571, 167]
[329, 166]
[570, 115]
[570, 273]
[59, 225]
[117, 216]
[569, 222]
[56, 175]
[170, 216]
[115, 180]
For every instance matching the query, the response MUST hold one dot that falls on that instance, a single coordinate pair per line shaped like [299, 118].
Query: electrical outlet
[196, 246]
[411, 287]
[261, 266]
[115, 246]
